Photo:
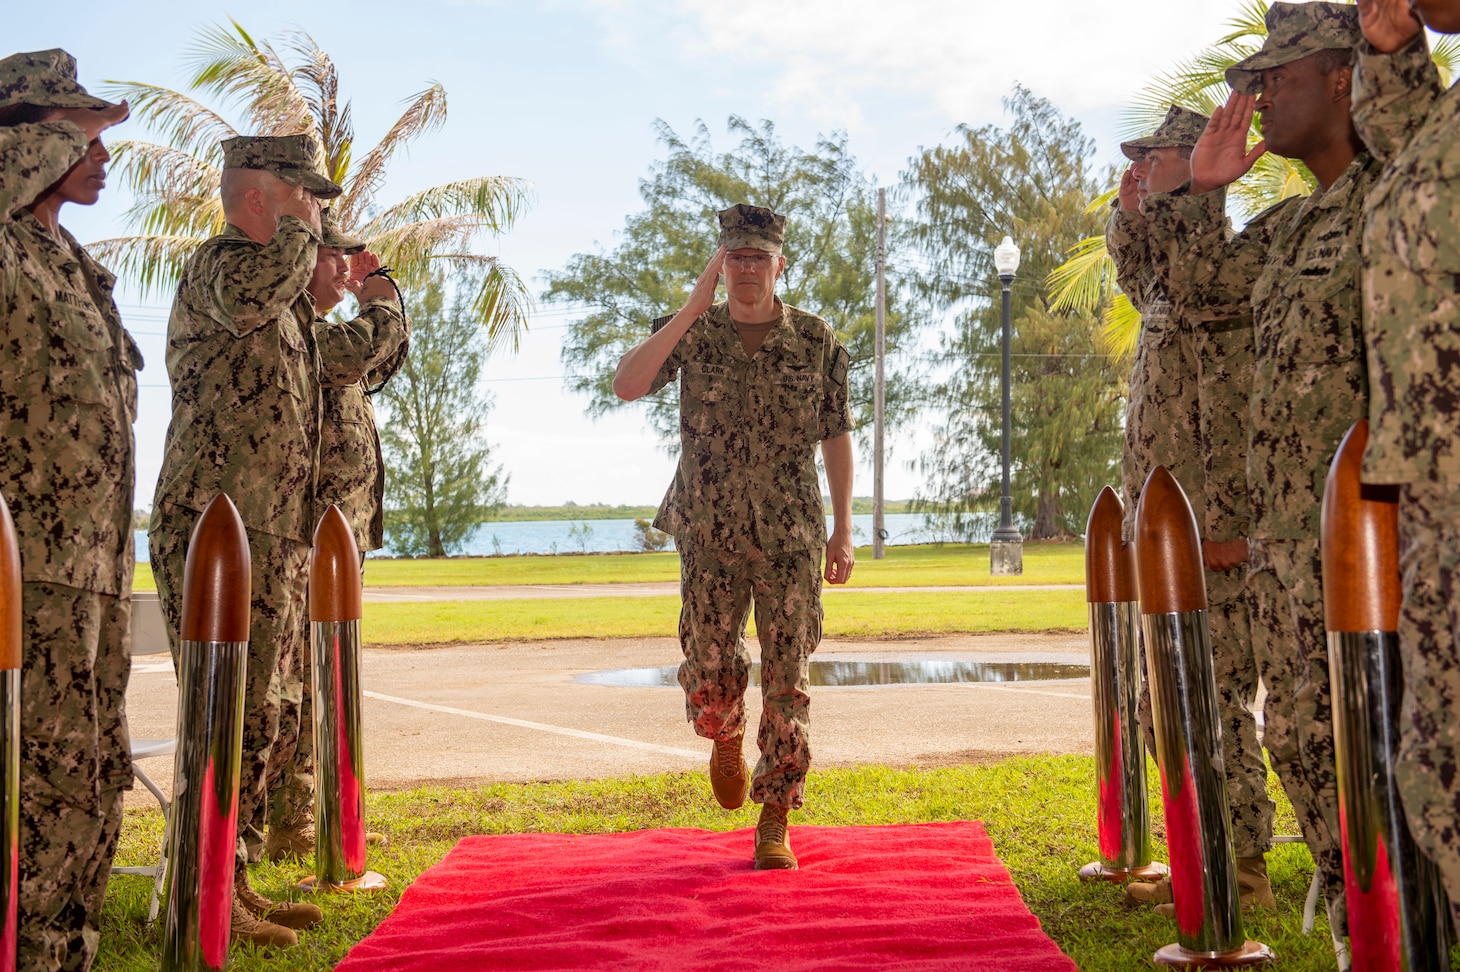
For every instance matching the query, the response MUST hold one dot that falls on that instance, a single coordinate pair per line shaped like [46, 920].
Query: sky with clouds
[565, 93]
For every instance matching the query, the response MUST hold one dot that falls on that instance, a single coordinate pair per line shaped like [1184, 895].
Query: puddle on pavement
[846, 674]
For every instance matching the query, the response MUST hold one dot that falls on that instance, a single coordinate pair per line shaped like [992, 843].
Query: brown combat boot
[773, 840]
[289, 914]
[297, 842]
[245, 927]
[1256, 890]
[729, 774]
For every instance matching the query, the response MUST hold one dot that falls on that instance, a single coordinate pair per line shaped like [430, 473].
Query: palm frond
[230, 64]
[1446, 55]
[410, 246]
[318, 82]
[1273, 179]
[1081, 282]
[153, 263]
[1101, 201]
[1120, 327]
[502, 304]
[425, 112]
[494, 201]
[184, 123]
[1251, 21]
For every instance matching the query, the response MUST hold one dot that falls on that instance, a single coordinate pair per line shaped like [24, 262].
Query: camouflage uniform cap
[46, 79]
[332, 236]
[1295, 31]
[747, 227]
[290, 157]
[1179, 129]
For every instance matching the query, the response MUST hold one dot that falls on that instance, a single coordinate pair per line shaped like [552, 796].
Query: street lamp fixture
[1006, 547]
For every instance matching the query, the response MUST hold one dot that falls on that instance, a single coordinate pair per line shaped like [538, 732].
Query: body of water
[506, 537]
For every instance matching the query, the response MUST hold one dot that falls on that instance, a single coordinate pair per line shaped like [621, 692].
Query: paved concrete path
[387, 595]
[462, 715]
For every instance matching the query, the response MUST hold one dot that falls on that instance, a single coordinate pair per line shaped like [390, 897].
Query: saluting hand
[93, 121]
[1221, 156]
[1388, 24]
[702, 298]
[363, 264]
[1130, 199]
[300, 203]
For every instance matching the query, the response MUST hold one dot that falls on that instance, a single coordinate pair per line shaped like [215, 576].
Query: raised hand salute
[1221, 156]
[1388, 24]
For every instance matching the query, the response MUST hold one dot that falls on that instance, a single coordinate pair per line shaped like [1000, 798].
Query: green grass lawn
[848, 614]
[951, 564]
[1039, 810]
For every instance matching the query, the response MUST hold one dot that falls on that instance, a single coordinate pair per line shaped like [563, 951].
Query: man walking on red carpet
[760, 385]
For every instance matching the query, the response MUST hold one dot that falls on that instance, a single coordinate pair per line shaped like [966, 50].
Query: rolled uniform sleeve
[669, 370]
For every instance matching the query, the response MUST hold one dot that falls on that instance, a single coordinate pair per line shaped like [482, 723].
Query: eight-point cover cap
[1294, 31]
[46, 79]
[331, 235]
[747, 227]
[290, 157]
[1179, 129]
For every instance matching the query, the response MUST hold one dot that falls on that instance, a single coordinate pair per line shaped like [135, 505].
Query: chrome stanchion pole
[1122, 820]
[203, 844]
[10, 659]
[335, 609]
[1188, 734]
[1398, 914]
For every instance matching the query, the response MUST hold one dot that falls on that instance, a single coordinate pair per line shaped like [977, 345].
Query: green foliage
[440, 482]
[648, 539]
[288, 86]
[1030, 182]
[830, 250]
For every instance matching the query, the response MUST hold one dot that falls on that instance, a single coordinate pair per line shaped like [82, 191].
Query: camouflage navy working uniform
[1296, 268]
[1187, 409]
[68, 395]
[1411, 257]
[352, 477]
[245, 368]
[746, 514]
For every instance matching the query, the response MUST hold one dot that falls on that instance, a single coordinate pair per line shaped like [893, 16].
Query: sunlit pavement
[515, 712]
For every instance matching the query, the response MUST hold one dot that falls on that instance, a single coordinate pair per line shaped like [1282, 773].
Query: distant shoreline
[599, 511]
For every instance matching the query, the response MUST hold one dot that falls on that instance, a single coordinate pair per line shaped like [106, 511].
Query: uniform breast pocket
[795, 397]
[707, 398]
[1323, 319]
[294, 366]
[79, 354]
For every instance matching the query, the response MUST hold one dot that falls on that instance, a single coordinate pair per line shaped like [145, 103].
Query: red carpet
[924, 896]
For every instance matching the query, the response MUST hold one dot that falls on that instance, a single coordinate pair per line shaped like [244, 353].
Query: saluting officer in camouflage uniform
[760, 385]
[1296, 267]
[68, 395]
[352, 477]
[1188, 402]
[1411, 254]
[245, 373]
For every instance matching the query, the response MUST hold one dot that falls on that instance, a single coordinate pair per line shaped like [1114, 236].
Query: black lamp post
[1006, 547]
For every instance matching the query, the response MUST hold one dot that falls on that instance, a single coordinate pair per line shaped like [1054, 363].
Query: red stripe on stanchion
[10, 658]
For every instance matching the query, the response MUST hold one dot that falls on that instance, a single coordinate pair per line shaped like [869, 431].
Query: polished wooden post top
[1361, 585]
[1110, 565]
[216, 584]
[10, 591]
[1168, 549]
[334, 570]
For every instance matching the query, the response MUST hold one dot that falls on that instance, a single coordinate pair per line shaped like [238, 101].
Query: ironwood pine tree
[831, 247]
[1030, 181]
[440, 480]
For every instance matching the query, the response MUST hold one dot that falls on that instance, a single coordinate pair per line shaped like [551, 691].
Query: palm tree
[175, 183]
[1198, 83]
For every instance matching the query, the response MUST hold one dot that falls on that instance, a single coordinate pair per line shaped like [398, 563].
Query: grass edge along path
[1039, 810]
[924, 565]
[849, 614]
